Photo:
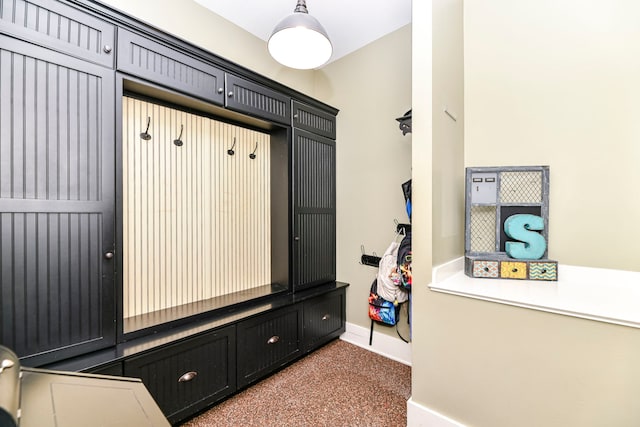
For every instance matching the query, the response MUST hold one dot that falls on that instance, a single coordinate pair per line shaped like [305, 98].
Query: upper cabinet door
[165, 66]
[258, 101]
[56, 203]
[313, 120]
[60, 27]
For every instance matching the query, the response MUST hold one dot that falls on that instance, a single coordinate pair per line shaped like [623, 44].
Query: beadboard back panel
[196, 219]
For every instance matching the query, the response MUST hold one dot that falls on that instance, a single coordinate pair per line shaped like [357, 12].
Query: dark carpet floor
[338, 385]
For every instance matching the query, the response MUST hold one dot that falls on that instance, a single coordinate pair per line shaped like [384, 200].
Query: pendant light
[299, 41]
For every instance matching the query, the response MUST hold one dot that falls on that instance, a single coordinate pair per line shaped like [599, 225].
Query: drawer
[165, 66]
[267, 342]
[543, 271]
[513, 270]
[323, 319]
[313, 120]
[59, 27]
[188, 376]
[486, 269]
[256, 100]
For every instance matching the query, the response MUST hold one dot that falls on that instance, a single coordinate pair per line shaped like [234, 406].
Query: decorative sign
[507, 216]
[528, 244]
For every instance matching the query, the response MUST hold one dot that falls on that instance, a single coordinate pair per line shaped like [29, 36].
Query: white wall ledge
[611, 296]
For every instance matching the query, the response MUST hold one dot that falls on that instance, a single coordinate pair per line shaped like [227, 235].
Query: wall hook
[145, 135]
[178, 142]
[230, 150]
[402, 228]
[253, 155]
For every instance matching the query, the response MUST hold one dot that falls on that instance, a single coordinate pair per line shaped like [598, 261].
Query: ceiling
[351, 24]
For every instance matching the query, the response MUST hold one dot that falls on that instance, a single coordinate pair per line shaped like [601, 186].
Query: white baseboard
[388, 346]
[421, 416]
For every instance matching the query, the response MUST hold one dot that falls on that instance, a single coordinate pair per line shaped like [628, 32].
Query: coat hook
[145, 135]
[253, 155]
[230, 150]
[178, 142]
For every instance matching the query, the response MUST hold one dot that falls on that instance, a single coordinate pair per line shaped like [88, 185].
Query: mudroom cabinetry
[314, 192]
[57, 202]
[71, 70]
[187, 376]
[166, 66]
[267, 342]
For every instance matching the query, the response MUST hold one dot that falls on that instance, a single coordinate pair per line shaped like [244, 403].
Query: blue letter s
[519, 227]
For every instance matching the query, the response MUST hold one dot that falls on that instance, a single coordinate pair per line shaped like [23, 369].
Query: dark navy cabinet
[188, 376]
[165, 66]
[267, 342]
[57, 202]
[313, 120]
[61, 27]
[65, 67]
[324, 318]
[314, 211]
[256, 100]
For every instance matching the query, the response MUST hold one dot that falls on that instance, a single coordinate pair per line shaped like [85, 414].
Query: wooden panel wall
[196, 220]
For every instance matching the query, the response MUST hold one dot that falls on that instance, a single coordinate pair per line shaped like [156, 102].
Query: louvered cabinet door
[56, 203]
[314, 188]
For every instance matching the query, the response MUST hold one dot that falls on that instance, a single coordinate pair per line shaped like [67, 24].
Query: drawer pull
[326, 317]
[187, 377]
[274, 339]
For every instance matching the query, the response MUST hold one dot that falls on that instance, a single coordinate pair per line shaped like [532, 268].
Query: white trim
[385, 345]
[599, 294]
[421, 416]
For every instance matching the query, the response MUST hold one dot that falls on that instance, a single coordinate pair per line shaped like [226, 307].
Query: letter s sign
[523, 227]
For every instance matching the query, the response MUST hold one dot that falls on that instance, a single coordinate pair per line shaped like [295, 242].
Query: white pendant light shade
[299, 41]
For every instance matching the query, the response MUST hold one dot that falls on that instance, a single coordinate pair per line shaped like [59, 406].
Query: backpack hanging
[404, 262]
[381, 310]
[389, 278]
[387, 293]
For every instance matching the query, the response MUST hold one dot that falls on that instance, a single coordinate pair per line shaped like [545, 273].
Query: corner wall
[482, 364]
[371, 87]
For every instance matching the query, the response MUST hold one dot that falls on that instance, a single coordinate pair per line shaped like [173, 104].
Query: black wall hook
[178, 142]
[230, 150]
[145, 135]
[253, 155]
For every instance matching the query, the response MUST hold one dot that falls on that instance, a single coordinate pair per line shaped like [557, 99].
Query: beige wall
[544, 83]
[189, 21]
[556, 83]
[371, 87]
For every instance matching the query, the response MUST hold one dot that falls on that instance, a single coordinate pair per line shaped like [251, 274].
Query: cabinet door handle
[326, 317]
[187, 376]
[230, 94]
[274, 339]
